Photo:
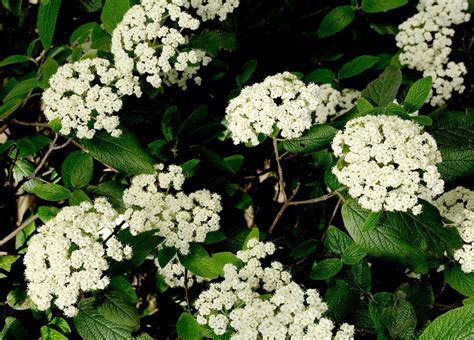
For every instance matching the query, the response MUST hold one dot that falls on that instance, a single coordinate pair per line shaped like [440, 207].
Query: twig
[318, 199]
[335, 211]
[186, 292]
[17, 122]
[281, 181]
[22, 226]
[283, 208]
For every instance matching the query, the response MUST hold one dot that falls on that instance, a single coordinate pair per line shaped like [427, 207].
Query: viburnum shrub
[236, 169]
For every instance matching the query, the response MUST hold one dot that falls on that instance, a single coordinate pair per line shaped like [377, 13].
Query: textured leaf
[336, 20]
[304, 249]
[418, 94]
[342, 300]
[187, 327]
[372, 220]
[357, 66]
[353, 254]
[459, 280]
[77, 170]
[456, 324]
[113, 191]
[399, 319]
[361, 276]
[113, 12]
[336, 241]
[123, 153]
[48, 333]
[402, 237]
[46, 23]
[51, 192]
[77, 197]
[325, 269]
[46, 213]
[23, 169]
[117, 309]
[383, 90]
[375, 6]
[90, 324]
[214, 41]
[316, 138]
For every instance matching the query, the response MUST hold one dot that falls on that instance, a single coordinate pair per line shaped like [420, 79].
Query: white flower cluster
[387, 163]
[457, 206]
[179, 218]
[85, 95]
[173, 274]
[281, 101]
[425, 40]
[334, 103]
[68, 255]
[290, 312]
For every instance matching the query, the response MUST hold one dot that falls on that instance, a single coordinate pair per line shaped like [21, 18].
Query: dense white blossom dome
[457, 206]
[235, 303]
[68, 255]
[387, 163]
[178, 217]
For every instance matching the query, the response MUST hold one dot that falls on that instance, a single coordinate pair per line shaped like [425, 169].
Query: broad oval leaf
[459, 280]
[418, 94]
[383, 90]
[77, 170]
[336, 20]
[454, 325]
[51, 192]
[316, 138]
[113, 12]
[15, 59]
[357, 66]
[375, 6]
[46, 23]
[117, 308]
[320, 76]
[187, 327]
[325, 269]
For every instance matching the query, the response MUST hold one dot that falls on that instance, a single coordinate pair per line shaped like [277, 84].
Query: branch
[22, 226]
[186, 292]
[283, 208]
[281, 181]
[319, 199]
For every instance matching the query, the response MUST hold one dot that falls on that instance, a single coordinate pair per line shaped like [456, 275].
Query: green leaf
[30, 146]
[77, 197]
[18, 299]
[360, 276]
[246, 72]
[418, 94]
[117, 309]
[82, 33]
[48, 333]
[195, 118]
[377, 304]
[189, 167]
[402, 237]
[46, 213]
[376, 6]
[6, 262]
[214, 237]
[383, 90]
[199, 262]
[336, 241]
[316, 138]
[91, 324]
[21, 89]
[357, 66]
[49, 67]
[399, 319]
[77, 170]
[121, 284]
[353, 254]
[91, 5]
[459, 280]
[170, 123]
[165, 255]
[454, 325]
[23, 169]
[13, 6]
[254, 233]
[342, 300]
[372, 220]
[7, 108]
[364, 105]
[320, 76]
[13, 329]
[187, 327]
[113, 12]
[214, 41]
[46, 23]
[304, 249]
[221, 259]
[113, 191]
[234, 163]
[123, 153]
[336, 20]
[51, 192]
[325, 269]
[61, 324]
[15, 59]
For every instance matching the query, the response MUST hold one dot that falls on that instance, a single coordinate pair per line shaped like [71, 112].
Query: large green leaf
[325, 269]
[199, 262]
[456, 324]
[375, 6]
[402, 237]
[51, 192]
[418, 94]
[336, 241]
[399, 319]
[357, 66]
[117, 308]
[113, 12]
[459, 280]
[46, 23]
[316, 138]
[336, 20]
[91, 324]
[187, 327]
[123, 153]
[383, 90]
[214, 41]
[320, 76]
[14, 59]
[77, 170]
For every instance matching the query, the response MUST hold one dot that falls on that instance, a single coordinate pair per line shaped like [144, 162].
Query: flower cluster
[281, 101]
[387, 163]
[334, 103]
[457, 206]
[69, 255]
[179, 218]
[235, 305]
[425, 40]
[85, 95]
[173, 274]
